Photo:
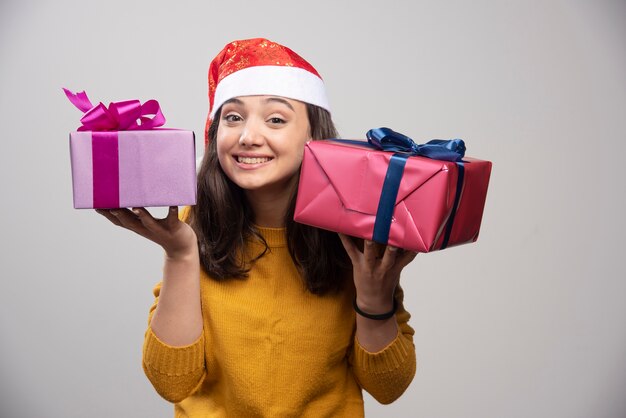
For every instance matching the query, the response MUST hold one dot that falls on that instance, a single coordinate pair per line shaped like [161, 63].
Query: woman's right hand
[176, 237]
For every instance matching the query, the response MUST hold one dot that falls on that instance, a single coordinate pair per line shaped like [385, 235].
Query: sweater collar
[275, 237]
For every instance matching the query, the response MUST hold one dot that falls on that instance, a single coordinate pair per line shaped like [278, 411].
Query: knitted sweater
[270, 348]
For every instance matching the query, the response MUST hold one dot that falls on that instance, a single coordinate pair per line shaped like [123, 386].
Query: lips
[252, 160]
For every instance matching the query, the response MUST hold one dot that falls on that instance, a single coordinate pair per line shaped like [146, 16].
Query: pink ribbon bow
[120, 116]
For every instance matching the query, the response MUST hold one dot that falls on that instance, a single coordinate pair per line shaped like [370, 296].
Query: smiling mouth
[252, 160]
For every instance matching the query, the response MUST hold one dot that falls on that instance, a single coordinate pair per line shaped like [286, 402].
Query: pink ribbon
[119, 116]
[106, 169]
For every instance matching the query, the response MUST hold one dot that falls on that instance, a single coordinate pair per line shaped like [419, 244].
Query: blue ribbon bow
[403, 147]
[437, 149]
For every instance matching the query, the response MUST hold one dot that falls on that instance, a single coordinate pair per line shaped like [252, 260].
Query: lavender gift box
[133, 168]
[121, 158]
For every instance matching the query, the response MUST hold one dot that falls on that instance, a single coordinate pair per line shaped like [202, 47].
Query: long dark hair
[222, 220]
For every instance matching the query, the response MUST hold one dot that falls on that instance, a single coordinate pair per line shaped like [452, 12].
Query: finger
[146, 218]
[404, 259]
[389, 258]
[172, 217]
[107, 214]
[370, 252]
[128, 220]
[350, 246]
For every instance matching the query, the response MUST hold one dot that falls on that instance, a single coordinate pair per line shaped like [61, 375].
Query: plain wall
[530, 321]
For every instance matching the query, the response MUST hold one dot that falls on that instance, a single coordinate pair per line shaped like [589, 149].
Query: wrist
[375, 303]
[376, 312]
[182, 254]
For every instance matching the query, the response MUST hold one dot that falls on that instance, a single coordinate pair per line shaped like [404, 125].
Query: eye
[232, 118]
[276, 120]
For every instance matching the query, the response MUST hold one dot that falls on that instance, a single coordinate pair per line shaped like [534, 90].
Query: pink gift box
[340, 188]
[133, 168]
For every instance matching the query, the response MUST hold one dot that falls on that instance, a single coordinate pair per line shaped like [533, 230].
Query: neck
[270, 207]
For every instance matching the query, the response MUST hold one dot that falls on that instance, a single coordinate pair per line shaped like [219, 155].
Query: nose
[252, 134]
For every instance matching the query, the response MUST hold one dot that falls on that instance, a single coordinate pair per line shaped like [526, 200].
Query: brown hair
[222, 220]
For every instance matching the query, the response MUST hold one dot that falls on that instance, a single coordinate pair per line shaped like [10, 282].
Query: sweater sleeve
[175, 372]
[387, 373]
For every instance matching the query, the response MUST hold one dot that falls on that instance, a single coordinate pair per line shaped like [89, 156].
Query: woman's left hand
[376, 273]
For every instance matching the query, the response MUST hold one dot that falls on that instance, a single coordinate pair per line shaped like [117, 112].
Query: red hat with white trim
[261, 67]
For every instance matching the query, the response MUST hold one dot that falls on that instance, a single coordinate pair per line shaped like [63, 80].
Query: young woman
[255, 315]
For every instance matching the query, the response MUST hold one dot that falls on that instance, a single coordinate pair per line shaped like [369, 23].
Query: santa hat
[262, 67]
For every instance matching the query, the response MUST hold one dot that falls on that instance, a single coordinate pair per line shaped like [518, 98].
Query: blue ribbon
[403, 147]
[457, 197]
[388, 195]
[437, 149]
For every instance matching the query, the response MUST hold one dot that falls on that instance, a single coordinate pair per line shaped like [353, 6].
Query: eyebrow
[268, 100]
[233, 100]
[279, 100]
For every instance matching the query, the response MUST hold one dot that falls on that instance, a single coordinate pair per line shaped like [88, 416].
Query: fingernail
[114, 212]
[392, 248]
[136, 211]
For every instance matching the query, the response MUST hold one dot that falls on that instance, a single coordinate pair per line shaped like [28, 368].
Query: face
[260, 142]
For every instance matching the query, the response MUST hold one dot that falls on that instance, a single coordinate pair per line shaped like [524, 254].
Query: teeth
[250, 160]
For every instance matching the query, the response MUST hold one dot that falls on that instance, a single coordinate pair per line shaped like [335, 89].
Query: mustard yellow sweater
[270, 348]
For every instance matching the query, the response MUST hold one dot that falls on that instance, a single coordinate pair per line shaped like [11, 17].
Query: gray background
[528, 322]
